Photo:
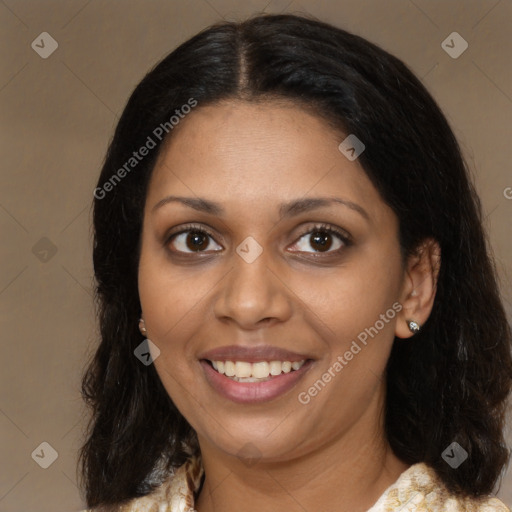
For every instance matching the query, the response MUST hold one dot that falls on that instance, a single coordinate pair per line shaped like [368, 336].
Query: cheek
[357, 307]
[354, 298]
[171, 299]
[376, 281]
[173, 313]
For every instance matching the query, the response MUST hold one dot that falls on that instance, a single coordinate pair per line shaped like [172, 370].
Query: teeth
[260, 370]
[243, 371]
[287, 366]
[275, 367]
[229, 369]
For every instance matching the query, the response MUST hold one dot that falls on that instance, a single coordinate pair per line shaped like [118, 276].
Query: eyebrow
[286, 210]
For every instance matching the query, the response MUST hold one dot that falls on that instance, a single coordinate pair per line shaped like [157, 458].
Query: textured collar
[418, 489]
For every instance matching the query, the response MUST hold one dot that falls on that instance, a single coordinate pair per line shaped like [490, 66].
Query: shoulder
[175, 494]
[419, 489]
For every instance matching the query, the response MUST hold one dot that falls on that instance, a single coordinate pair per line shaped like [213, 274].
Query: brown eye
[196, 241]
[190, 240]
[321, 239]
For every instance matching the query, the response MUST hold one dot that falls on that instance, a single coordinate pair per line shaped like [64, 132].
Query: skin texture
[331, 453]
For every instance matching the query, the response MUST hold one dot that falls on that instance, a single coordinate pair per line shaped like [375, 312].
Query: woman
[297, 306]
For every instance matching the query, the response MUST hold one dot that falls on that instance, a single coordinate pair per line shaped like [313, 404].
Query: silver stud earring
[414, 327]
[142, 327]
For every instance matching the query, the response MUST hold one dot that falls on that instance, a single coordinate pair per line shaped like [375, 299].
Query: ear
[419, 286]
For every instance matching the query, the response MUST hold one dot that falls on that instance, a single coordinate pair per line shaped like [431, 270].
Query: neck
[345, 475]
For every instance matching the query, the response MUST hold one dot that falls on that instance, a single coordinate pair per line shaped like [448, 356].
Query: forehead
[256, 154]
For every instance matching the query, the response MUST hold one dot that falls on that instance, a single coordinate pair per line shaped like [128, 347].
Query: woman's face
[268, 284]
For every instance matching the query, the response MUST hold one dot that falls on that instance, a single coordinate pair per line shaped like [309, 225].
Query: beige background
[58, 115]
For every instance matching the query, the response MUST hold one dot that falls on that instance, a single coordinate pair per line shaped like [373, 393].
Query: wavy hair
[448, 383]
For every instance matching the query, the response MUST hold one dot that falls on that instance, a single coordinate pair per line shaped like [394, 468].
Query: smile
[243, 371]
[251, 383]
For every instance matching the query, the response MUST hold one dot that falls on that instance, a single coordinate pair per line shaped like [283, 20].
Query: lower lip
[253, 392]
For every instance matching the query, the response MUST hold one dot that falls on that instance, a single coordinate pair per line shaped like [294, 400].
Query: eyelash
[324, 228]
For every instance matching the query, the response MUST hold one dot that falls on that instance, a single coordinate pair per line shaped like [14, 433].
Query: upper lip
[251, 354]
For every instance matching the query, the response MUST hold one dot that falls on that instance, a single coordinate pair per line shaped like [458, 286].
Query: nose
[253, 294]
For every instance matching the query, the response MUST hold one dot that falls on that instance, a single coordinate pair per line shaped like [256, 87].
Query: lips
[251, 390]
